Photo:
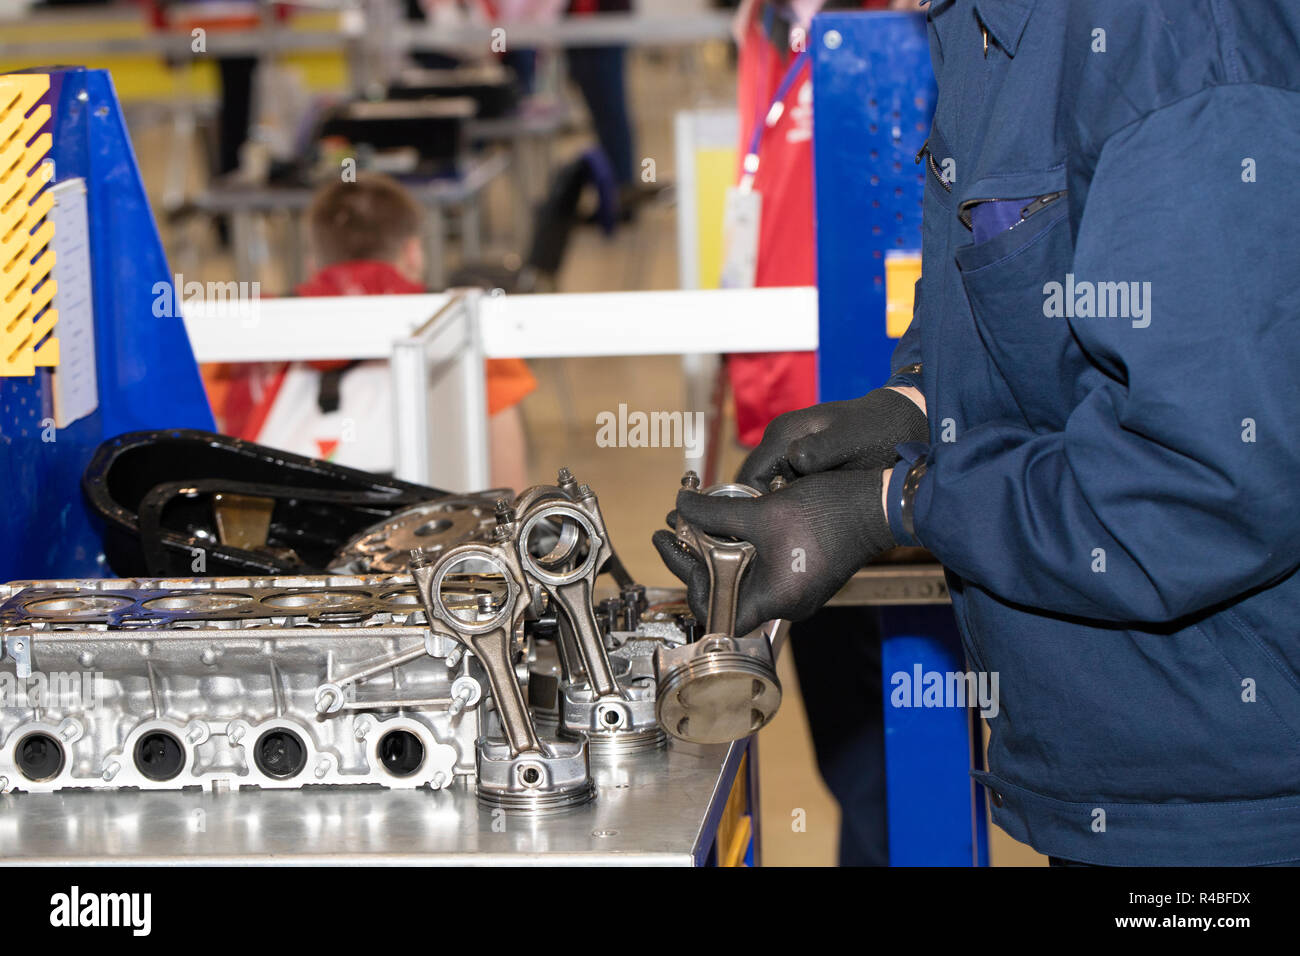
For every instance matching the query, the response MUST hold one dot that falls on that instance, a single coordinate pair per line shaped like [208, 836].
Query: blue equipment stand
[873, 99]
[147, 377]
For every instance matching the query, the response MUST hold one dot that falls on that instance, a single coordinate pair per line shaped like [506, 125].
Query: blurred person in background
[235, 74]
[837, 651]
[365, 240]
[600, 73]
[522, 61]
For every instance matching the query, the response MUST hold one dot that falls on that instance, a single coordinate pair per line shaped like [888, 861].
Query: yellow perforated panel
[26, 320]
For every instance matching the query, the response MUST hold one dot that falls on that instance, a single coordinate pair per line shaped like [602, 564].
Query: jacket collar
[1005, 20]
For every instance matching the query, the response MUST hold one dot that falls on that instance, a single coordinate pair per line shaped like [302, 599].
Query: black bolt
[611, 609]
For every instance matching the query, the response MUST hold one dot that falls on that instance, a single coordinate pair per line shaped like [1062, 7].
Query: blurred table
[529, 135]
[443, 198]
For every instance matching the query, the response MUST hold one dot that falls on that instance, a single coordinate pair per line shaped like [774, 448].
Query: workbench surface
[659, 809]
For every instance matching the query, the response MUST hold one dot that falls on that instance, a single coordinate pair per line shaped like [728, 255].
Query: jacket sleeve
[1175, 482]
[905, 364]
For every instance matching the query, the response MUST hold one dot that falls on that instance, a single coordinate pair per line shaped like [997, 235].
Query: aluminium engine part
[534, 783]
[549, 687]
[724, 686]
[431, 526]
[217, 683]
[562, 545]
[720, 688]
[521, 773]
[545, 679]
[631, 655]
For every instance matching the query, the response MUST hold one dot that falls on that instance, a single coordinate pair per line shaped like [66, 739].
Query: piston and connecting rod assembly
[724, 686]
[547, 548]
[612, 709]
[521, 772]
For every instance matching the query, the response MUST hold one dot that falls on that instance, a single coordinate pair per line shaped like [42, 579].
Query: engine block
[271, 682]
[224, 683]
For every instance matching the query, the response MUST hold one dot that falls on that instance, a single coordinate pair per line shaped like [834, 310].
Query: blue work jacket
[1110, 356]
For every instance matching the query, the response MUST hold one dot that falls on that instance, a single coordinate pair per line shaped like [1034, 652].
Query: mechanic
[1112, 487]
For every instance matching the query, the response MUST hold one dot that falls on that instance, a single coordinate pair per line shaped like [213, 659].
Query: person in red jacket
[837, 651]
[365, 237]
[766, 384]
[770, 35]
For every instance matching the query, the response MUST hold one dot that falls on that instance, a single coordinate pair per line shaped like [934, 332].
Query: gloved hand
[860, 433]
[810, 538]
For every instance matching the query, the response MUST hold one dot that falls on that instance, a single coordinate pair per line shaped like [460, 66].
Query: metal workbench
[659, 809]
[668, 808]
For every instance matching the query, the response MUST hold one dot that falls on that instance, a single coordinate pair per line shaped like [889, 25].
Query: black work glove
[810, 538]
[860, 433]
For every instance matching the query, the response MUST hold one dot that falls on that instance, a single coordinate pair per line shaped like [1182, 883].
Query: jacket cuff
[909, 376]
[903, 483]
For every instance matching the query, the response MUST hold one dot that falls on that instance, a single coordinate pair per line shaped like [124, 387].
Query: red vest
[766, 384]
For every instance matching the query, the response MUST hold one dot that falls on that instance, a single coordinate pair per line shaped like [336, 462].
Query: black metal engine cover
[154, 491]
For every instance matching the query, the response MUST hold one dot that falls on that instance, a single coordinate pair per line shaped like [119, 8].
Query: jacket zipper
[1035, 206]
[1039, 204]
[934, 167]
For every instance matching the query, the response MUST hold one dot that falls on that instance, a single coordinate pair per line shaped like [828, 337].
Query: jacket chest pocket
[1023, 246]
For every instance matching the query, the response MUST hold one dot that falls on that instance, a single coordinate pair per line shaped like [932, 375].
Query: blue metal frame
[873, 98]
[146, 370]
[870, 122]
[936, 813]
